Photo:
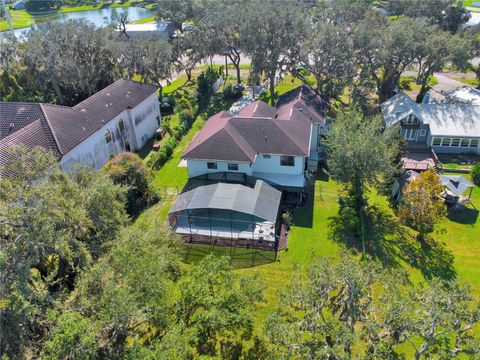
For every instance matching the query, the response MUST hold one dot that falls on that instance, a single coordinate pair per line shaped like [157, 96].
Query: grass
[407, 83]
[317, 232]
[467, 80]
[144, 20]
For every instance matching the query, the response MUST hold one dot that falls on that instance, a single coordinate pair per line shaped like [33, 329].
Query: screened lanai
[225, 211]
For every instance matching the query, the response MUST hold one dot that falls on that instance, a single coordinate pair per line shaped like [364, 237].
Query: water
[96, 16]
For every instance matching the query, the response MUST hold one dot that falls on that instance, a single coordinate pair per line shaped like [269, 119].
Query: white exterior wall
[145, 129]
[199, 167]
[260, 166]
[272, 166]
[94, 152]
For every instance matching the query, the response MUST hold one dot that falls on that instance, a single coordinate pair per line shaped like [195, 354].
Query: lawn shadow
[467, 216]
[303, 216]
[392, 244]
[240, 258]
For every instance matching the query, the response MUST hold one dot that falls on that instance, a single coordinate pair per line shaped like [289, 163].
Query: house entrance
[410, 134]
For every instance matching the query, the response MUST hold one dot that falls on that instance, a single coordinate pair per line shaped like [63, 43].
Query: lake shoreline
[31, 18]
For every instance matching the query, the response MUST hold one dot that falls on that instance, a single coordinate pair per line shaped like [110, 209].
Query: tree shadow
[467, 216]
[391, 243]
[303, 216]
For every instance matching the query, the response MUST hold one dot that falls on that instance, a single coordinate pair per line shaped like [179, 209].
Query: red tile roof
[260, 129]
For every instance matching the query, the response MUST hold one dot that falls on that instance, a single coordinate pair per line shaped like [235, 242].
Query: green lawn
[468, 80]
[317, 232]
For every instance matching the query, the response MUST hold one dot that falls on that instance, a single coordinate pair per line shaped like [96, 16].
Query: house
[153, 29]
[275, 144]
[121, 117]
[229, 214]
[18, 5]
[452, 126]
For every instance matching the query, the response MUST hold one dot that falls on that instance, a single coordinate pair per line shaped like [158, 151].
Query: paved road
[445, 83]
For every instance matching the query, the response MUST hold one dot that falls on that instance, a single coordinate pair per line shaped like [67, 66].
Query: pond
[97, 16]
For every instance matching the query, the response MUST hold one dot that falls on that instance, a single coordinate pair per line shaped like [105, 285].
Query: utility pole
[7, 15]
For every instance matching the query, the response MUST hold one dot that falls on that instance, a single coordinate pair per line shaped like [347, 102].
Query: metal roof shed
[457, 184]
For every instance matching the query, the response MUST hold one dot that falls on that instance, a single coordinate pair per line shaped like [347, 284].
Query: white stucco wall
[272, 165]
[260, 166]
[199, 167]
[149, 109]
[94, 152]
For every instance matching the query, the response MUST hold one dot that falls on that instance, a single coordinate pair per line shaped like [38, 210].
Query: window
[121, 125]
[446, 142]
[423, 132]
[108, 136]
[474, 143]
[455, 142]
[437, 141]
[287, 160]
[464, 142]
[211, 165]
[267, 156]
[158, 120]
[233, 167]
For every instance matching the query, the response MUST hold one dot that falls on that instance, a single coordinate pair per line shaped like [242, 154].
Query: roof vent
[102, 121]
[83, 128]
[83, 110]
[108, 94]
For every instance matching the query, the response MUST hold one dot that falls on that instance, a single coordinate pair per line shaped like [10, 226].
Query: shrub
[129, 170]
[205, 83]
[167, 103]
[476, 174]
[232, 92]
[164, 153]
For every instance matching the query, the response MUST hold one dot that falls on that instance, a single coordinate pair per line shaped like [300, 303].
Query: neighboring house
[121, 117]
[275, 144]
[153, 29]
[452, 126]
[19, 5]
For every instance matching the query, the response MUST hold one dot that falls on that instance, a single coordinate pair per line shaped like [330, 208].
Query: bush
[164, 153]
[167, 103]
[205, 83]
[232, 92]
[476, 174]
[129, 170]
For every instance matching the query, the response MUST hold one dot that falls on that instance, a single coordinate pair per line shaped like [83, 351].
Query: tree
[475, 173]
[470, 40]
[127, 294]
[274, 32]
[440, 315]
[51, 225]
[447, 14]
[74, 58]
[73, 337]
[433, 53]
[384, 49]
[360, 155]
[128, 169]
[319, 315]
[422, 207]
[178, 11]
[149, 58]
[327, 54]
[224, 29]
[215, 306]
